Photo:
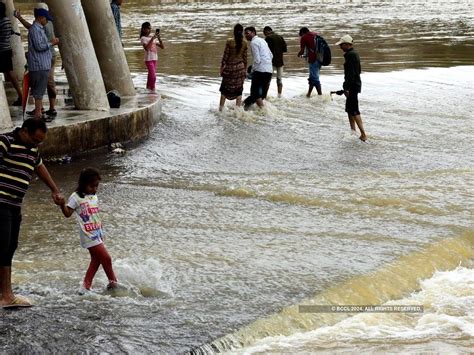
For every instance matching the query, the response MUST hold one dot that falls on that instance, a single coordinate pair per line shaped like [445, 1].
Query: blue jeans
[314, 73]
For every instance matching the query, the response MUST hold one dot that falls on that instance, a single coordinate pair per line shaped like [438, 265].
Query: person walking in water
[262, 68]
[19, 158]
[308, 50]
[85, 204]
[233, 68]
[151, 52]
[277, 46]
[352, 84]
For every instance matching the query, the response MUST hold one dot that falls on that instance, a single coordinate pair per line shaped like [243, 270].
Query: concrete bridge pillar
[5, 118]
[108, 47]
[18, 58]
[78, 56]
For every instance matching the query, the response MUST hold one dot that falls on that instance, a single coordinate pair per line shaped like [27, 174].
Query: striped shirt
[39, 49]
[17, 164]
[5, 34]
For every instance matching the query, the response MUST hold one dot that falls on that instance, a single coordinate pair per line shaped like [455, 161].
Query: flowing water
[222, 224]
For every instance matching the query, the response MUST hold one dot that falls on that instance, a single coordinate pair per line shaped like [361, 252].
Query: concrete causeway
[73, 131]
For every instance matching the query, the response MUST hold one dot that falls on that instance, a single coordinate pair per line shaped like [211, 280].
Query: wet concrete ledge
[76, 132]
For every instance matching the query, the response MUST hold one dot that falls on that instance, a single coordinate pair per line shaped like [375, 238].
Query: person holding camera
[151, 52]
[352, 84]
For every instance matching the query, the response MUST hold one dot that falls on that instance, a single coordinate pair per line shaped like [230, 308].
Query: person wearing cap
[352, 83]
[39, 57]
[308, 51]
[51, 87]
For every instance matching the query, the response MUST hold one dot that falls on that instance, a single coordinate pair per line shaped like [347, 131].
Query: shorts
[352, 104]
[51, 83]
[38, 83]
[6, 63]
[10, 220]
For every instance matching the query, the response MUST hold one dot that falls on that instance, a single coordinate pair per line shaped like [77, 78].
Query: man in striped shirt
[39, 58]
[19, 158]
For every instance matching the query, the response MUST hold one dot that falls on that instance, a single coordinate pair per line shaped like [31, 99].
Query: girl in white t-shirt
[151, 52]
[85, 204]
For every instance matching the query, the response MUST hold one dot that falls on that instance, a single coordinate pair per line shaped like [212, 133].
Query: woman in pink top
[151, 52]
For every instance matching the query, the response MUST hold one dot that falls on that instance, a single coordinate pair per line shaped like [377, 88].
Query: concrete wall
[76, 138]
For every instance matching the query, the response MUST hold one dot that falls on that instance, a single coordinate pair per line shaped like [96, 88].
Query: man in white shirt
[262, 68]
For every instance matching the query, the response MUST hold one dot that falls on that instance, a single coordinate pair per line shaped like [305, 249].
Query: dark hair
[238, 36]
[250, 29]
[3, 10]
[303, 31]
[87, 177]
[144, 25]
[267, 29]
[32, 125]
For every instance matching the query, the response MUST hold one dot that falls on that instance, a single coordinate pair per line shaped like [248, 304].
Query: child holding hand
[85, 204]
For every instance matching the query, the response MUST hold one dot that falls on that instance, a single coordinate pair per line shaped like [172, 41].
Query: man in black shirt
[277, 46]
[352, 83]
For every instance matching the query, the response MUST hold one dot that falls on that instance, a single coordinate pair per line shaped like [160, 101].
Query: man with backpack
[308, 51]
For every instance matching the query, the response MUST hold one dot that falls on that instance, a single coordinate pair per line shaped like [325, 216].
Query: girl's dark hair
[144, 25]
[238, 36]
[3, 10]
[87, 177]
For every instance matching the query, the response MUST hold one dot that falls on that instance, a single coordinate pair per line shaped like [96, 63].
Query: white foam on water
[145, 275]
[448, 300]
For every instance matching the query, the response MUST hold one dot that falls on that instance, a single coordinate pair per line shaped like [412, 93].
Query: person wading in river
[19, 158]
[352, 84]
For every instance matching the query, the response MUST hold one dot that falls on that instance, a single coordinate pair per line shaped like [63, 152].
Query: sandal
[51, 112]
[18, 301]
[32, 112]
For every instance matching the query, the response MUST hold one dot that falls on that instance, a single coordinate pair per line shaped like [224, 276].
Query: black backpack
[114, 99]
[323, 52]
